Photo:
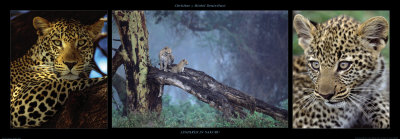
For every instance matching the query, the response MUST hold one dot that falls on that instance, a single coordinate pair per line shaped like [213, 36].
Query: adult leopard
[59, 63]
[341, 80]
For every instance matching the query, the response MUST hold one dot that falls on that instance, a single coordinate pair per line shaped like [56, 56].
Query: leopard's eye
[57, 42]
[81, 42]
[314, 65]
[344, 65]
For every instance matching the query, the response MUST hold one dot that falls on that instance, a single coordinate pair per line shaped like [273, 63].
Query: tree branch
[222, 97]
[116, 61]
[83, 109]
[97, 43]
[119, 84]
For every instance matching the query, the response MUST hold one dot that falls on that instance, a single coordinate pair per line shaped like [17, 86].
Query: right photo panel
[341, 69]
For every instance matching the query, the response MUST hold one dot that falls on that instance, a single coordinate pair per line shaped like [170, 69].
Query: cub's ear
[95, 28]
[374, 32]
[41, 25]
[304, 29]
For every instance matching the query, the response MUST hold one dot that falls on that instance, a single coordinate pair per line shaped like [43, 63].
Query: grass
[186, 114]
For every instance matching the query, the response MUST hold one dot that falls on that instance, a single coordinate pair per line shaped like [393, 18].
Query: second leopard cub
[174, 69]
[179, 67]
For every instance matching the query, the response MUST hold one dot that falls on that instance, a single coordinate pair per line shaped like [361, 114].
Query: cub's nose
[327, 96]
[70, 65]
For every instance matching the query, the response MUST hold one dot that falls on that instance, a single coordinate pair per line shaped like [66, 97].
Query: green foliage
[255, 120]
[186, 114]
[322, 16]
[297, 50]
[135, 120]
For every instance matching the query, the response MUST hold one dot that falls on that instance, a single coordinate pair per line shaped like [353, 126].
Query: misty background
[246, 50]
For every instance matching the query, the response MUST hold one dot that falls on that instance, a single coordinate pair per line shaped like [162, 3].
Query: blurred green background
[322, 16]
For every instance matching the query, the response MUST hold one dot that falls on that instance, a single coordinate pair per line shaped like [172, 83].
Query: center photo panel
[199, 69]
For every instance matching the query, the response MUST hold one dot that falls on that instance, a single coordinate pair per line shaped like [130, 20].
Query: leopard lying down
[56, 65]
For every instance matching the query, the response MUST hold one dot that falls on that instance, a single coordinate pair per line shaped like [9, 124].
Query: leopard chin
[335, 104]
[69, 76]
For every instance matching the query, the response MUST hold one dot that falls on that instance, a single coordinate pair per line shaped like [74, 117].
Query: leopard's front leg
[378, 112]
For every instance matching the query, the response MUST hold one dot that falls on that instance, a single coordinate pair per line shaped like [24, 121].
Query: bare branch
[222, 97]
[97, 45]
[117, 60]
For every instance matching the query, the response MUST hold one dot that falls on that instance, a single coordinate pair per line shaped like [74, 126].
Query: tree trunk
[135, 58]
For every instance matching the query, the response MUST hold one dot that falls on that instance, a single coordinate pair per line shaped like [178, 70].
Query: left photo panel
[58, 69]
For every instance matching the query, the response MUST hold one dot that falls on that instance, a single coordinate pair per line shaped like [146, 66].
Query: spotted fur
[56, 65]
[341, 80]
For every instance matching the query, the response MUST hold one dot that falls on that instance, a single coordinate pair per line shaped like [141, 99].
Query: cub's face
[341, 54]
[66, 45]
[185, 62]
[167, 51]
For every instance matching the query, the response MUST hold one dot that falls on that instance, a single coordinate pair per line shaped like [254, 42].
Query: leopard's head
[167, 50]
[341, 53]
[185, 62]
[66, 45]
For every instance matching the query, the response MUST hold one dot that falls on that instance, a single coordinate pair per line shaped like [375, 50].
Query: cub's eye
[81, 42]
[57, 42]
[344, 65]
[314, 65]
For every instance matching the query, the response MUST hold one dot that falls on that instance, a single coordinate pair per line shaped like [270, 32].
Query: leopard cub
[341, 80]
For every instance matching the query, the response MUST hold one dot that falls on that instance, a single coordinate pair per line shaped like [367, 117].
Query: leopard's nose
[327, 96]
[70, 65]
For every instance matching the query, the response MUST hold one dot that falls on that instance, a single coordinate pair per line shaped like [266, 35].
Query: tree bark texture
[83, 109]
[222, 97]
[135, 58]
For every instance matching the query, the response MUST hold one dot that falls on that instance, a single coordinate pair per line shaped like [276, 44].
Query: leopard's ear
[304, 29]
[95, 28]
[41, 25]
[374, 32]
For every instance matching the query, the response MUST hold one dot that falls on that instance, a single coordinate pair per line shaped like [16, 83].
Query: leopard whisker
[358, 106]
[372, 90]
[366, 89]
[308, 103]
[370, 86]
[366, 103]
[363, 101]
[361, 97]
[303, 98]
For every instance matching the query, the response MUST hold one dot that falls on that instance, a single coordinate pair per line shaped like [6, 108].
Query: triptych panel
[111, 69]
